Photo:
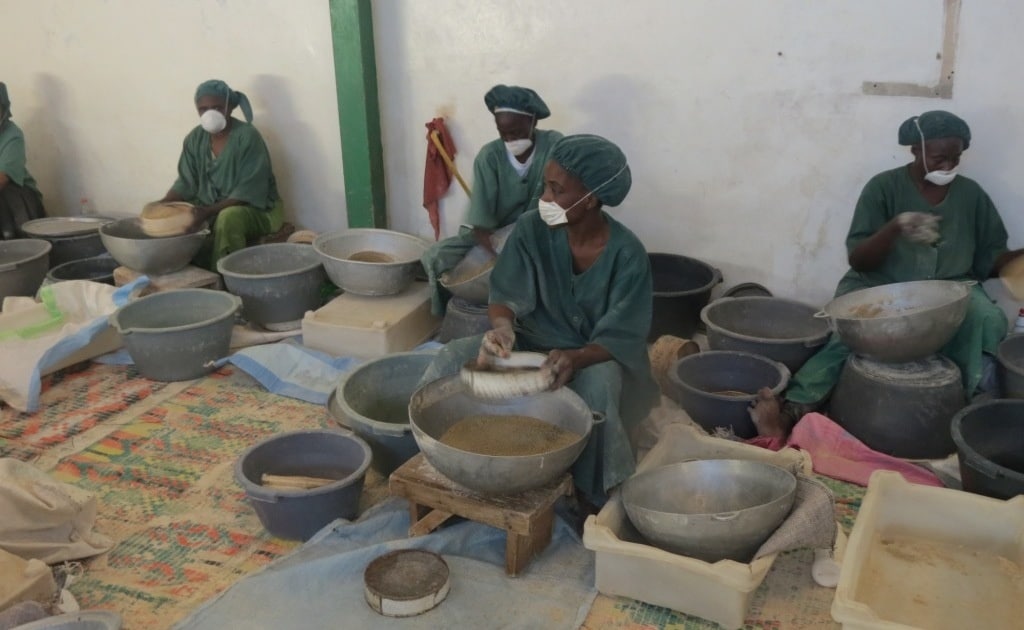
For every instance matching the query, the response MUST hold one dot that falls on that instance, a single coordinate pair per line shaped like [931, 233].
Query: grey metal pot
[23, 265]
[715, 509]
[373, 401]
[717, 387]
[277, 282]
[177, 335]
[900, 322]
[438, 405]
[95, 269]
[395, 272]
[130, 246]
[73, 238]
[903, 410]
[1011, 366]
[782, 330]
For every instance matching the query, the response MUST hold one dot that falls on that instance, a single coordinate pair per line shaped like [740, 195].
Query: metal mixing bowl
[130, 246]
[438, 405]
[399, 256]
[715, 509]
[901, 322]
[470, 280]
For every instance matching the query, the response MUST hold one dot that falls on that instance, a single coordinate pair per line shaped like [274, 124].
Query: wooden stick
[436, 139]
[298, 482]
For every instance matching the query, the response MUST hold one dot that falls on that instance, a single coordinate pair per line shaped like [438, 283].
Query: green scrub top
[242, 171]
[609, 304]
[500, 194]
[12, 156]
[972, 235]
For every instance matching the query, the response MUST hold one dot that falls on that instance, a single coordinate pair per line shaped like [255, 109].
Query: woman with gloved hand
[576, 284]
[224, 170]
[920, 221]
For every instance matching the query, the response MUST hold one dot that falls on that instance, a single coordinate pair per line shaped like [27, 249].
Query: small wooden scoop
[293, 482]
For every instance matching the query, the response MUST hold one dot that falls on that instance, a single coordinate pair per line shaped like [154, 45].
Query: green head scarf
[220, 89]
[515, 99]
[5, 103]
[934, 124]
[598, 163]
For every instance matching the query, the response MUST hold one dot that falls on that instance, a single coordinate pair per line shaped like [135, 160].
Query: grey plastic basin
[23, 265]
[277, 282]
[177, 335]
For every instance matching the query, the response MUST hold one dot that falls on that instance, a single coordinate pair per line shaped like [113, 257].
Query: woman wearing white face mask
[576, 284]
[507, 179]
[225, 171]
[920, 221]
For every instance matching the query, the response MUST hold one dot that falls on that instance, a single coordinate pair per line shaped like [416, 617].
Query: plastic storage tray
[626, 566]
[369, 327]
[932, 558]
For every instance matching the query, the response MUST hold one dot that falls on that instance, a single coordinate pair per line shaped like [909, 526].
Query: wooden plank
[429, 523]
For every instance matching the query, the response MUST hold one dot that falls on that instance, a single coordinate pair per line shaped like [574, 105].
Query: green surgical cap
[515, 99]
[934, 124]
[598, 163]
[218, 88]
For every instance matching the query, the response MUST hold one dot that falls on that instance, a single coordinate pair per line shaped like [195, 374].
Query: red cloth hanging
[436, 176]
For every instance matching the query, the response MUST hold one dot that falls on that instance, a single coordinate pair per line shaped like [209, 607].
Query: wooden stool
[528, 518]
[188, 278]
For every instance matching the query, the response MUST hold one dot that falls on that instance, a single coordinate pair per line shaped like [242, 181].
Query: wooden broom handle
[435, 138]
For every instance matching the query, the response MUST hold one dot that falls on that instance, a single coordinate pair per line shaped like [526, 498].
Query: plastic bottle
[1019, 326]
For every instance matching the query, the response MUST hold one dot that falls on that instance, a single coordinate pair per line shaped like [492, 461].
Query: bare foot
[766, 413]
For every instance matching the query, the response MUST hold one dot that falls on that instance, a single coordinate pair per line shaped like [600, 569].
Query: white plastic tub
[928, 558]
[628, 567]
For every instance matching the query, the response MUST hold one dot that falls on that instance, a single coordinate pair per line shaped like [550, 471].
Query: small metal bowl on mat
[406, 582]
[518, 375]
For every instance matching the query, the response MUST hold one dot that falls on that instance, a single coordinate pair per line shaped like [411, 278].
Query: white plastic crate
[626, 566]
[370, 327]
[921, 557]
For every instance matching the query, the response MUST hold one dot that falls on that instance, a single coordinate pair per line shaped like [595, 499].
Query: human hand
[497, 342]
[561, 366]
[919, 227]
[200, 215]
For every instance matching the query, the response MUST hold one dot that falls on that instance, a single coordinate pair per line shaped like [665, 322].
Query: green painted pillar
[355, 74]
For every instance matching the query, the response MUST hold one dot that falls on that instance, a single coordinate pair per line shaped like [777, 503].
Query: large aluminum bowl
[438, 405]
[470, 279]
[715, 509]
[130, 246]
[385, 261]
[278, 282]
[901, 322]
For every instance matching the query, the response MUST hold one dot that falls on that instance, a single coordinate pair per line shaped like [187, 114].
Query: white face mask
[519, 147]
[213, 121]
[552, 213]
[939, 178]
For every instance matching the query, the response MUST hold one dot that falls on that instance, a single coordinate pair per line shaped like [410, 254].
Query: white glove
[497, 342]
[919, 227]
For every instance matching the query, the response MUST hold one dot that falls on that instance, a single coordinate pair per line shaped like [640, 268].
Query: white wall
[742, 156]
[744, 122]
[103, 91]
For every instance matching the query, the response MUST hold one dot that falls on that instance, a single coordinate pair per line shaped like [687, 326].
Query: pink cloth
[837, 454]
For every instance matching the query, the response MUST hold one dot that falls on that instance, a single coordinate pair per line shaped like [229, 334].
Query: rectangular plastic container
[370, 327]
[928, 558]
[625, 566]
